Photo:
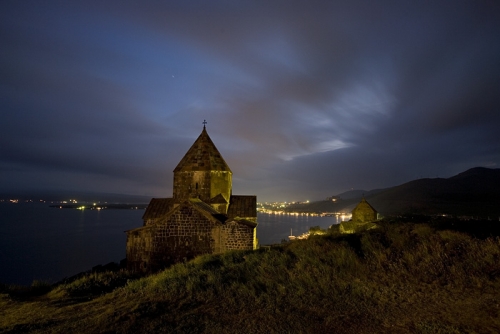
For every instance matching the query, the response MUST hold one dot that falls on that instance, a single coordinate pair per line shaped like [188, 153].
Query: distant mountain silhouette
[475, 192]
[357, 194]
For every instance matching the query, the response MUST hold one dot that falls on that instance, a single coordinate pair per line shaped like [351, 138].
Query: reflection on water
[273, 228]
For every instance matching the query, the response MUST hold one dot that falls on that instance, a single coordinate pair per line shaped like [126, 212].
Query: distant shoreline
[99, 206]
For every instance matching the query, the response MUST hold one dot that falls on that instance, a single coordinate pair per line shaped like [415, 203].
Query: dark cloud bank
[303, 99]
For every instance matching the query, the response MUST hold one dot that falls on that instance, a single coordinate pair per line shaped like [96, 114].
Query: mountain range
[474, 193]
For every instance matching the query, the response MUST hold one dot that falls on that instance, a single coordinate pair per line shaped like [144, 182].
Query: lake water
[38, 242]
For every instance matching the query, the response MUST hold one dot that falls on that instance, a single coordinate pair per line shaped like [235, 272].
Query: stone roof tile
[198, 203]
[242, 206]
[202, 156]
[158, 207]
[246, 222]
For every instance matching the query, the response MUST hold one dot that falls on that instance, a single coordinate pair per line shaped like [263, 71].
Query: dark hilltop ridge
[474, 193]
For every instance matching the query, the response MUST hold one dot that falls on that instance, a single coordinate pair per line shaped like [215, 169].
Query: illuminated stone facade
[364, 212]
[363, 216]
[202, 217]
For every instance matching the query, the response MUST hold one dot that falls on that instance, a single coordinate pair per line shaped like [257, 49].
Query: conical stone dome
[202, 156]
[202, 173]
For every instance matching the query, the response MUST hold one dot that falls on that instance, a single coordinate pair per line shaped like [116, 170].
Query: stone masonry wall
[363, 213]
[220, 183]
[139, 246]
[183, 236]
[237, 236]
[192, 184]
[202, 184]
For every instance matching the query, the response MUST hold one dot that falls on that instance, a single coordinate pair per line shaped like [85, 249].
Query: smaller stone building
[364, 212]
[202, 217]
[363, 217]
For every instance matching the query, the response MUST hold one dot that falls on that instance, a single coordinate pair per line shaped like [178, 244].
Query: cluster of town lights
[277, 208]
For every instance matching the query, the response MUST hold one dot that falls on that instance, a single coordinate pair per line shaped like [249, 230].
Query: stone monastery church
[202, 216]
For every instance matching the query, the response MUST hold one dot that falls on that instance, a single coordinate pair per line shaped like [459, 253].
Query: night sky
[303, 99]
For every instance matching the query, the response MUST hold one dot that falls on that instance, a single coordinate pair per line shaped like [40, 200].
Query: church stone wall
[139, 247]
[183, 236]
[237, 236]
[192, 184]
[202, 184]
[220, 183]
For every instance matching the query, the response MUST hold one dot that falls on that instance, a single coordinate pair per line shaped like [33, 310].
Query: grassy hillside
[402, 278]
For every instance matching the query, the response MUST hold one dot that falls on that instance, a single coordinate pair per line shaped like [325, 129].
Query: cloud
[301, 98]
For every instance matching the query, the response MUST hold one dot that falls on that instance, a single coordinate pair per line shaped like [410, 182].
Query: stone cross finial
[204, 123]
